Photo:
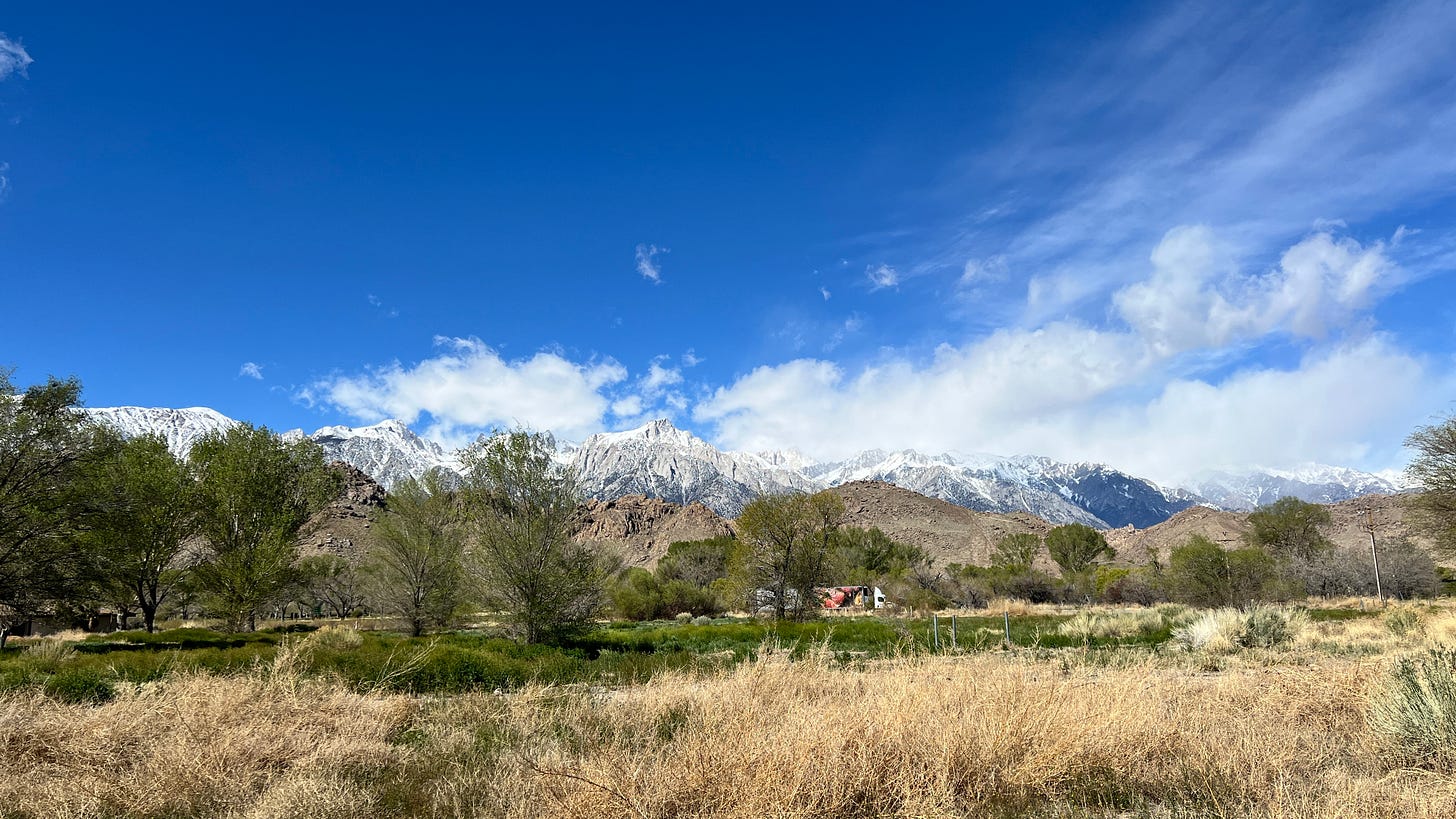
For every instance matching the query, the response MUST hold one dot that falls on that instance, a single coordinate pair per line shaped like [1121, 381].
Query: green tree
[1289, 528]
[867, 555]
[1204, 574]
[256, 495]
[417, 560]
[149, 513]
[521, 503]
[698, 562]
[1014, 553]
[332, 584]
[1433, 510]
[47, 449]
[789, 539]
[1075, 547]
[1198, 573]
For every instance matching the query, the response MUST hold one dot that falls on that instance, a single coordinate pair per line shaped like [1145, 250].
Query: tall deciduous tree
[46, 450]
[1289, 528]
[256, 493]
[521, 502]
[1076, 546]
[416, 563]
[789, 538]
[149, 513]
[1014, 553]
[1434, 469]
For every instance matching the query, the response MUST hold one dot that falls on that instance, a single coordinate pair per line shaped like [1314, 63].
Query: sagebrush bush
[1416, 710]
[1228, 630]
[1271, 627]
[1405, 620]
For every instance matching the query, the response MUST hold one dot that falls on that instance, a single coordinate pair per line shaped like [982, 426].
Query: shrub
[1228, 630]
[1270, 627]
[80, 685]
[1404, 621]
[335, 638]
[1416, 710]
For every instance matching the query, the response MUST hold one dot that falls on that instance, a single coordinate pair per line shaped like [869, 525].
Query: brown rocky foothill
[641, 528]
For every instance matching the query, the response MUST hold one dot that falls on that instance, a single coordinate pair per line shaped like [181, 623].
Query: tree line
[90, 520]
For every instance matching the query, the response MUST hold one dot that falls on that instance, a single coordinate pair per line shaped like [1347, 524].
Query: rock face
[343, 527]
[641, 528]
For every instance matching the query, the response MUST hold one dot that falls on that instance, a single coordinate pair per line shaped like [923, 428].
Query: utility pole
[1374, 558]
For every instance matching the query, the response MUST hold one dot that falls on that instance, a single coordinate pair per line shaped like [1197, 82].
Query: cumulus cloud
[647, 263]
[1196, 297]
[469, 388]
[13, 57]
[882, 276]
[1125, 394]
[251, 370]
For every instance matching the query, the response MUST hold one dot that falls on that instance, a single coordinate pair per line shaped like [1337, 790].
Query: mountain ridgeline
[659, 460]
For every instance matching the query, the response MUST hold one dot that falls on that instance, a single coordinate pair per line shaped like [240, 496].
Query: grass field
[1097, 714]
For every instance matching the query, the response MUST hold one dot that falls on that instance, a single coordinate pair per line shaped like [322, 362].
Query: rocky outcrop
[641, 528]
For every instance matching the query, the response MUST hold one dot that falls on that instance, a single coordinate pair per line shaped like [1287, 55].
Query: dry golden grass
[197, 745]
[997, 734]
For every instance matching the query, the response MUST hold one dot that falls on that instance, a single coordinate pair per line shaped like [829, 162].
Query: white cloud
[882, 276]
[647, 263]
[629, 407]
[659, 377]
[4, 179]
[1256, 120]
[691, 359]
[824, 291]
[251, 370]
[1197, 298]
[1039, 394]
[1127, 396]
[469, 388]
[13, 57]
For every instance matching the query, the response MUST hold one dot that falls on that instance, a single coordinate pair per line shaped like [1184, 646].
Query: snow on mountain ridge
[660, 460]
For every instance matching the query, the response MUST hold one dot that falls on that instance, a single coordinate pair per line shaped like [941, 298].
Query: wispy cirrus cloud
[1259, 121]
[251, 370]
[882, 276]
[13, 57]
[647, 265]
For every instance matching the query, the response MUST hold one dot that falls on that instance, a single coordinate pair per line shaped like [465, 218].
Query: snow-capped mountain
[388, 451]
[1315, 483]
[1091, 494]
[659, 460]
[180, 428]
[662, 461]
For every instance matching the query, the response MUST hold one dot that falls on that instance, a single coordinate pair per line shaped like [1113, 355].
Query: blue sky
[1173, 237]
